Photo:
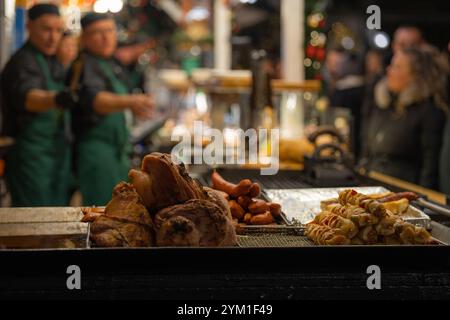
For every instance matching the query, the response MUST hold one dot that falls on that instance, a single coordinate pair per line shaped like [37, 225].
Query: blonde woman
[404, 125]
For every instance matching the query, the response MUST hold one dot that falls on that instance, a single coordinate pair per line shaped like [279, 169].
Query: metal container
[42, 228]
[300, 206]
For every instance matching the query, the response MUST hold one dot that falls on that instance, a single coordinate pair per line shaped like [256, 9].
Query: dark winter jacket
[405, 145]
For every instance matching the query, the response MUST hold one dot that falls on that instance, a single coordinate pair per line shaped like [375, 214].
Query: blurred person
[128, 55]
[407, 37]
[373, 64]
[403, 133]
[68, 49]
[34, 113]
[334, 61]
[102, 147]
[348, 92]
[445, 160]
[445, 155]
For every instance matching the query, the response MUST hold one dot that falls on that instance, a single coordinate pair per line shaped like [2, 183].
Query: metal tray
[300, 206]
[42, 228]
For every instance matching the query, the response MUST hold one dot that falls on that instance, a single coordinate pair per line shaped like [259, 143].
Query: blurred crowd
[399, 102]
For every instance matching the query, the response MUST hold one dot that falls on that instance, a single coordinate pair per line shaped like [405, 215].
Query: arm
[107, 102]
[38, 100]
[27, 86]
[95, 96]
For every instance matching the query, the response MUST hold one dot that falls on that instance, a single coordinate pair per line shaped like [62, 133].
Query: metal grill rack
[273, 237]
[275, 240]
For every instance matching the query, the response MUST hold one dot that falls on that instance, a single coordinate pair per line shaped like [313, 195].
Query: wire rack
[275, 240]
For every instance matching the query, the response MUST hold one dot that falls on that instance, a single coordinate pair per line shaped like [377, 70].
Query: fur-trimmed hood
[384, 98]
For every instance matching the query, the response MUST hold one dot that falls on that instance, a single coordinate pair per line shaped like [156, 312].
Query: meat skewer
[335, 221]
[372, 206]
[355, 214]
[324, 235]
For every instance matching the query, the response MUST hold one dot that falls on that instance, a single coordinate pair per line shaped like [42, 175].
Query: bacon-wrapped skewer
[352, 197]
[355, 214]
[386, 226]
[335, 221]
[410, 234]
[324, 235]
[368, 235]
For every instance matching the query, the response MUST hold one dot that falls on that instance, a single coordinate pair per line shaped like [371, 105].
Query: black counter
[407, 272]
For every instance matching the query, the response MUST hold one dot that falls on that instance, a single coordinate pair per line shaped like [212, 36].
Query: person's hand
[142, 106]
[66, 99]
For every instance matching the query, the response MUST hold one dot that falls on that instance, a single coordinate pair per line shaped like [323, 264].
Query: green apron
[103, 151]
[38, 165]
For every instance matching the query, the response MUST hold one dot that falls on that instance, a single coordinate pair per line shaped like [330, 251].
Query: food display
[356, 218]
[162, 206]
[395, 203]
[245, 207]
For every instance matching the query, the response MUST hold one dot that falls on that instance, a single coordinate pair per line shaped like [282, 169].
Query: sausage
[258, 206]
[236, 210]
[275, 209]
[234, 190]
[255, 190]
[221, 184]
[247, 217]
[244, 201]
[260, 219]
[242, 188]
[397, 196]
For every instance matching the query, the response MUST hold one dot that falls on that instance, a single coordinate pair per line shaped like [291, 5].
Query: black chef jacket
[21, 74]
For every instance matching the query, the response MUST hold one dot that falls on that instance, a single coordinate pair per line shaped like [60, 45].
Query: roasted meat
[162, 183]
[194, 223]
[183, 212]
[126, 222]
[219, 198]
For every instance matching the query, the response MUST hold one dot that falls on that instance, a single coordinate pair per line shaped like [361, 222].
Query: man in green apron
[33, 112]
[102, 148]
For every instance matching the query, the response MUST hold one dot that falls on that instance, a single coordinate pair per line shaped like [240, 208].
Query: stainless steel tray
[42, 228]
[300, 206]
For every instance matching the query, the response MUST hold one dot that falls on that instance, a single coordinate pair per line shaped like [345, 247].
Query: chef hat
[92, 17]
